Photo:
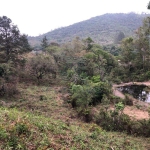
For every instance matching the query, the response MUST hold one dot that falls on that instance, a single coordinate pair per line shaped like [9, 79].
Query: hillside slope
[35, 124]
[102, 29]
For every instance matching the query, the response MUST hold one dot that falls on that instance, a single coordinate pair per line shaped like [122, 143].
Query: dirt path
[147, 83]
[136, 113]
[118, 93]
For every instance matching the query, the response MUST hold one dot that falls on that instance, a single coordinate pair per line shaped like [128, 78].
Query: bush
[81, 95]
[21, 128]
[95, 79]
[8, 80]
[89, 93]
[8, 89]
[148, 75]
[100, 89]
[42, 66]
[115, 121]
[43, 97]
[85, 114]
[115, 99]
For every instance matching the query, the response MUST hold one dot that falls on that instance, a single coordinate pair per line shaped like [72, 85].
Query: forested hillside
[67, 97]
[102, 29]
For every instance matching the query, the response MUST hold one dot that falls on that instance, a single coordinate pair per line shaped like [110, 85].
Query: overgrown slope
[50, 124]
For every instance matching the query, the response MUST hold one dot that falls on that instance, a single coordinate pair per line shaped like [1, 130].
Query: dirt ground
[136, 113]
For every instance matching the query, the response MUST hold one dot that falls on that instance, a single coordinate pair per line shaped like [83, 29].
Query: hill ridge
[102, 29]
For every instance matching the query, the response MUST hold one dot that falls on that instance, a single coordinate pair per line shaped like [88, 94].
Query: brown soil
[136, 113]
[118, 93]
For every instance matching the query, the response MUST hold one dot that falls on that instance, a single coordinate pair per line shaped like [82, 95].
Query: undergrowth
[20, 130]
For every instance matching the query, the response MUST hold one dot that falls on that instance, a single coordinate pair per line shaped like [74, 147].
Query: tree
[128, 55]
[127, 46]
[41, 66]
[119, 37]
[77, 45]
[12, 42]
[12, 45]
[44, 43]
[143, 43]
[88, 43]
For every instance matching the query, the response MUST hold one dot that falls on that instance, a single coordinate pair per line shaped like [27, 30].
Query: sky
[35, 17]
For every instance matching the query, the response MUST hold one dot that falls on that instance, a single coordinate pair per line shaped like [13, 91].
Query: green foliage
[89, 93]
[13, 142]
[135, 55]
[12, 42]
[21, 128]
[8, 80]
[102, 29]
[88, 43]
[12, 46]
[119, 37]
[70, 73]
[81, 95]
[148, 75]
[116, 120]
[41, 65]
[95, 79]
[119, 106]
[3, 134]
[52, 49]
[113, 49]
[44, 43]
[43, 97]
[89, 70]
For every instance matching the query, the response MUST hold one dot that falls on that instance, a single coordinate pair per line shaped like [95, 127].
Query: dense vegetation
[102, 29]
[46, 98]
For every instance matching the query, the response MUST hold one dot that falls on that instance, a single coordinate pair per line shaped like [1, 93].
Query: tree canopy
[44, 43]
[12, 42]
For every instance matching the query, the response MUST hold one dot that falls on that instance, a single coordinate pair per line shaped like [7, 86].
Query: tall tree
[88, 43]
[44, 43]
[143, 43]
[128, 55]
[119, 37]
[11, 41]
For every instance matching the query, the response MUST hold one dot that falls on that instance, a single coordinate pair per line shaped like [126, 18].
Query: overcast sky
[34, 17]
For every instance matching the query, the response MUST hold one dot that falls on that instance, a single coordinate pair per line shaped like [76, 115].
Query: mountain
[102, 29]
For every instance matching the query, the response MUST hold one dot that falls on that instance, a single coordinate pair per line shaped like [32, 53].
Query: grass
[29, 122]
[40, 99]
[22, 130]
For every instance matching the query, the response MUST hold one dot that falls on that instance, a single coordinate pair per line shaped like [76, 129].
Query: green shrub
[95, 79]
[21, 128]
[43, 97]
[13, 142]
[148, 75]
[81, 95]
[89, 93]
[3, 134]
[100, 89]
